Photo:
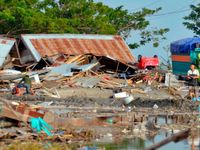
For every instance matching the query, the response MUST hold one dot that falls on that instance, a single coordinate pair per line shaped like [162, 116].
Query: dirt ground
[97, 97]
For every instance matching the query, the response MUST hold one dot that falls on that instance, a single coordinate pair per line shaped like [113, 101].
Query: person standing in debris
[193, 75]
[26, 83]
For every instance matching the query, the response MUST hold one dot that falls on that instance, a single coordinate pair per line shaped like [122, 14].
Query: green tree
[193, 19]
[76, 16]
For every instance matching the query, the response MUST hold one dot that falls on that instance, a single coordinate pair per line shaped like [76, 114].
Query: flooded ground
[141, 144]
[145, 141]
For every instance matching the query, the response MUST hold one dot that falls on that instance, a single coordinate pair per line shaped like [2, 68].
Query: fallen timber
[12, 77]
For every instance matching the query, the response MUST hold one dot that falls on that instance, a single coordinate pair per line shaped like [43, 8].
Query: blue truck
[184, 52]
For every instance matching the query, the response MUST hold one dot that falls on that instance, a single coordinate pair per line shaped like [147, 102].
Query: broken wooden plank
[137, 91]
[73, 59]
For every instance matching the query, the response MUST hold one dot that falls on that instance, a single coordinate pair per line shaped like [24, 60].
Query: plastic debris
[155, 106]
[40, 125]
[121, 95]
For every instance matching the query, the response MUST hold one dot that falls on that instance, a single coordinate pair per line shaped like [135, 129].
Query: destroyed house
[109, 50]
[8, 52]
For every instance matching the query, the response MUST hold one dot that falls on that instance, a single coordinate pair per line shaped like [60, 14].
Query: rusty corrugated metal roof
[6, 45]
[77, 44]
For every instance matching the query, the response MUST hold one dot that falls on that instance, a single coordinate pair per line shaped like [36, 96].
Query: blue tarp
[184, 46]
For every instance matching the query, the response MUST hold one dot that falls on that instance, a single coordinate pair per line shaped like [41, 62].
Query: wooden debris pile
[23, 134]
[88, 71]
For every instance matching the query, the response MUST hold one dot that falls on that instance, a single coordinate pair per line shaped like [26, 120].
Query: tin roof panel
[78, 44]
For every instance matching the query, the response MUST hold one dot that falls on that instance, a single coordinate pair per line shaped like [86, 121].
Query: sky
[165, 20]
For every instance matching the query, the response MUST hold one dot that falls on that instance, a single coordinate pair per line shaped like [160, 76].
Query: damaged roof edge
[112, 46]
[6, 44]
[127, 47]
[31, 48]
[77, 36]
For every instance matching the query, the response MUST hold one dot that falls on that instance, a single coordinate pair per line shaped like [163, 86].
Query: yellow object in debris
[138, 82]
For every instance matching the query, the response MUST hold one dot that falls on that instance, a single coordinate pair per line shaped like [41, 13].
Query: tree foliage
[193, 19]
[76, 16]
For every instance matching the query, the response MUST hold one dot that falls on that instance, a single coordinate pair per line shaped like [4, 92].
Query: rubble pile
[81, 85]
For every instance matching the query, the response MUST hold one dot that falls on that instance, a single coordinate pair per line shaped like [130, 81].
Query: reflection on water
[192, 143]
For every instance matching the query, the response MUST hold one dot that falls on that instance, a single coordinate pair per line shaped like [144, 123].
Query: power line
[180, 10]
[150, 4]
[171, 12]
[187, 5]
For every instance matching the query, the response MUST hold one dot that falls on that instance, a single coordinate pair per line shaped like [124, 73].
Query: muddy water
[136, 143]
[140, 144]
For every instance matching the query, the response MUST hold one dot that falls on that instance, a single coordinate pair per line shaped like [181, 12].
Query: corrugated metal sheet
[77, 44]
[64, 69]
[6, 45]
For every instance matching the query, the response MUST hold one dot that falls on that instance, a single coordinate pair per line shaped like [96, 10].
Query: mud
[75, 101]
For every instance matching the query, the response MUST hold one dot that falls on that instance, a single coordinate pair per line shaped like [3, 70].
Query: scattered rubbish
[87, 87]
[138, 82]
[155, 106]
[130, 108]
[109, 120]
[40, 125]
[128, 99]
[125, 131]
[20, 111]
[121, 95]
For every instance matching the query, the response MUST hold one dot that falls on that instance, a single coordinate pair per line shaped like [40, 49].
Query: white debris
[155, 106]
